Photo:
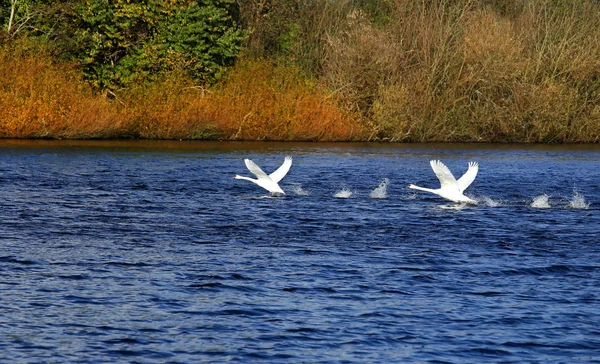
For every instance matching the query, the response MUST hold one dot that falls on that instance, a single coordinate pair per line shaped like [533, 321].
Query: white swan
[450, 188]
[270, 182]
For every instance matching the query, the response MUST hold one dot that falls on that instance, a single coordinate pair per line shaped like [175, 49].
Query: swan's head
[410, 186]
[236, 177]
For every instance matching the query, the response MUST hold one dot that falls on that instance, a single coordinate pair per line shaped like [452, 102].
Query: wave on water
[578, 201]
[541, 202]
[343, 193]
[457, 206]
[380, 191]
[413, 195]
[260, 197]
[299, 191]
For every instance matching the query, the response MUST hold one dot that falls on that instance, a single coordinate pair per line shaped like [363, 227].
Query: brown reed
[473, 71]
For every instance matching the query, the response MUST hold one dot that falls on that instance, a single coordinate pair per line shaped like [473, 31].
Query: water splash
[299, 191]
[578, 201]
[380, 191]
[487, 201]
[344, 193]
[541, 202]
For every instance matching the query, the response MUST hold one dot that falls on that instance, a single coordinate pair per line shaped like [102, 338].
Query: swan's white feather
[442, 172]
[282, 170]
[269, 183]
[465, 181]
[450, 188]
[255, 169]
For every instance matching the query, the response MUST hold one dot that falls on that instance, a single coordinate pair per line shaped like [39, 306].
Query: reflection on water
[533, 150]
[150, 252]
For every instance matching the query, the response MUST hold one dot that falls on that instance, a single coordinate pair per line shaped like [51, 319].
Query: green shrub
[123, 42]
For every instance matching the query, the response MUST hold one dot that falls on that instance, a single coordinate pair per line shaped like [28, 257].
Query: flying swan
[270, 182]
[450, 188]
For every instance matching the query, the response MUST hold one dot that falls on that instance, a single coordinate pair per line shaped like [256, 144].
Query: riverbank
[464, 71]
[256, 101]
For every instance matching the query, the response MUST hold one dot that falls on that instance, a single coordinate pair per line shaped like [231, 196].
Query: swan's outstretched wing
[255, 169]
[442, 172]
[282, 171]
[469, 176]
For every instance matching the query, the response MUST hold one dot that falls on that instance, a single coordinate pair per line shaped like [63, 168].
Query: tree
[123, 41]
[46, 19]
[18, 15]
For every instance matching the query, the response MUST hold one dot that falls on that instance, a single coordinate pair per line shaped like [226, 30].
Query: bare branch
[13, 6]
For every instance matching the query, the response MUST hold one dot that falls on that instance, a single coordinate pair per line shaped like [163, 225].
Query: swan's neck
[245, 178]
[423, 189]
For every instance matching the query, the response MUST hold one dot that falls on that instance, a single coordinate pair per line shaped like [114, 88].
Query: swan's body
[268, 182]
[450, 188]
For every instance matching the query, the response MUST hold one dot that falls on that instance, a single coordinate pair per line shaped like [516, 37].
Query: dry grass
[258, 101]
[473, 71]
[39, 99]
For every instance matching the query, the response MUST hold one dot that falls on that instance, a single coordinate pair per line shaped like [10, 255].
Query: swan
[450, 188]
[270, 182]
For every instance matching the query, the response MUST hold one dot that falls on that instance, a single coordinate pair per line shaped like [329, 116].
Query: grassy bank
[409, 71]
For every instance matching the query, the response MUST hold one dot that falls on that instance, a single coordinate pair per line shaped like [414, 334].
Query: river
[152, 252]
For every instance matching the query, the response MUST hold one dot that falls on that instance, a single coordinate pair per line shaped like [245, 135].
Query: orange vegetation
[39, 99]
[257, 101]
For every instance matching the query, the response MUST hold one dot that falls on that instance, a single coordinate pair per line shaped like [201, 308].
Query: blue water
[152, 252]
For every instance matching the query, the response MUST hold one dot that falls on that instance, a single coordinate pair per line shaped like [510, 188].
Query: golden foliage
[258, 101]
[261, 101]
[39, 99]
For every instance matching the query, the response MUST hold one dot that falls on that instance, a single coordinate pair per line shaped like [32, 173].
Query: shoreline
[261, 145]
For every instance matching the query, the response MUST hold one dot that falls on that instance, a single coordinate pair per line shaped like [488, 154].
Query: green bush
[120, 42]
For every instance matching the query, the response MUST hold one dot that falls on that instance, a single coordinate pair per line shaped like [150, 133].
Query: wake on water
[456, 206]
[487, 201]
[577, 201]
[481, 201]
[380, 192]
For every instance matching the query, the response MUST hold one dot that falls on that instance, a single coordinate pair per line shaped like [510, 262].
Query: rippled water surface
[152, 252]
